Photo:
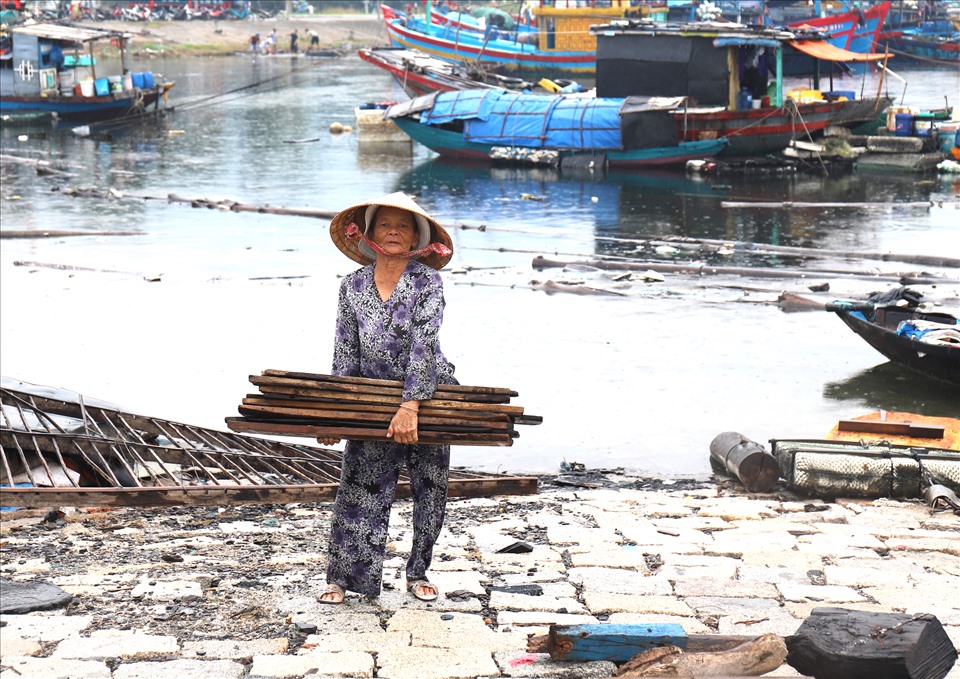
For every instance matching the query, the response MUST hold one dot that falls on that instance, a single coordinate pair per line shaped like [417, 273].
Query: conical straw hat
[359, 214]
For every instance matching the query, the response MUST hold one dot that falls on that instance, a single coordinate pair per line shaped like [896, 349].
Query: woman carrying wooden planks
[388, 320]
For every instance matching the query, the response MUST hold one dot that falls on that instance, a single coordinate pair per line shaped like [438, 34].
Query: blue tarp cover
[516, 119]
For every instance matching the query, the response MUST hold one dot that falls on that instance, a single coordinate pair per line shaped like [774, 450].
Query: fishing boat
[937, 40]
[51, 68]
[559, 130]
[731, 79]
[856, 30]
[562, 43]
[419, 73]
[925, 342]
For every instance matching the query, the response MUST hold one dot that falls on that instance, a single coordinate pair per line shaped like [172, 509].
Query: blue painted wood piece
[617, 643]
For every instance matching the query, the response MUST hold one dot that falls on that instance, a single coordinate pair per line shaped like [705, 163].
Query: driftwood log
[836, 643]
[750, 659]
[734, 454]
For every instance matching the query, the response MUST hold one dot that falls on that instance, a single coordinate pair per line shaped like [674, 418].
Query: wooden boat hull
[950, 425]
[452, 145]
[83, 109]
[940, 362]
[931, 49]
[756, 131]
[419, 74]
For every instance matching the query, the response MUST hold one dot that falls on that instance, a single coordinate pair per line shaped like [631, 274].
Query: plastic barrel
[148, 80]
[101, 86]
[137, 79]
[904, 126]
[923, 124]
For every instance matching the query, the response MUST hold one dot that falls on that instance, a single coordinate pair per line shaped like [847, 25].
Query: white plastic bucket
[86, 87]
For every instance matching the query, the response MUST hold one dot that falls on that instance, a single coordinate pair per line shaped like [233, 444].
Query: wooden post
[733, 86]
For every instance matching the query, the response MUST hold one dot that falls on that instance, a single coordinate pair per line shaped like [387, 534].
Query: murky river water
[642, 380]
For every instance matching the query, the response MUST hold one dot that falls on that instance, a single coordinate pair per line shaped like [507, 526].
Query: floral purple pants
[361, 513]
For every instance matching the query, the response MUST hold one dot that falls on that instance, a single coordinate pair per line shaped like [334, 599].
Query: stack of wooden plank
[360, 409]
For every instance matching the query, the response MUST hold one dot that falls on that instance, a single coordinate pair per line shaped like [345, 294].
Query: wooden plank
[365, 416]
[240, 424]
[439, 394]
[616, 643]
[383, 383]
[273, 400]
[433, 403]
[893, 428]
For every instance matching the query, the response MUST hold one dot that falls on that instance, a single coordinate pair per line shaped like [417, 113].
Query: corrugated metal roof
[67, 33]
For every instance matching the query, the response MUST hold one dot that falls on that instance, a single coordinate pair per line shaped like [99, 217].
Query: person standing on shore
[388, 321]
[294, 37]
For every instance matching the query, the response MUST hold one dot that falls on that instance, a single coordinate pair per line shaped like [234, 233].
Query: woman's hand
[327, 440]
[403, 426]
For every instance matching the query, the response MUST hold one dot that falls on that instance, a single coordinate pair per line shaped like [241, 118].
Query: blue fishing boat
[496, 125]
[562, 43]
[937, 40]
[51, 68]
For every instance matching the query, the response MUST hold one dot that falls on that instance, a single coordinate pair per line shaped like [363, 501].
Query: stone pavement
[712, 560]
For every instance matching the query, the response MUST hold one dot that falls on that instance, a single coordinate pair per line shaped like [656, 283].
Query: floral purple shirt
[396, 339]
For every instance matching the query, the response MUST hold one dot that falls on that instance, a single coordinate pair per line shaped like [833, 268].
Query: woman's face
[395, 230]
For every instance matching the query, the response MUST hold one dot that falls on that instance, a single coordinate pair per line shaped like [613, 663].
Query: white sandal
[418, 589]
[335, 590]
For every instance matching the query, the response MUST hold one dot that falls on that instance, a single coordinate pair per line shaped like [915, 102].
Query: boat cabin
[565, 26]
[57, 61]
[712, 64]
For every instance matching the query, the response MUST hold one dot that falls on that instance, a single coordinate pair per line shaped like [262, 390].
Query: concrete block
[436, 663]
[734, 509]
[178, 669]
[55, 668]
[706, 586]
[541, 665]
[428, 628]
[825, 594]
[125, 644]
[606, 602]
[894, 144]
[690, 625]
[792, 560]
[543, 619]
[357, 641]
[610, 557]
[451, 581]
[229, 649]
[678, 566]
[395, 600]
[506, 601]
[618, 581]
[13, 647]
[44, 627]
[345, 664]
